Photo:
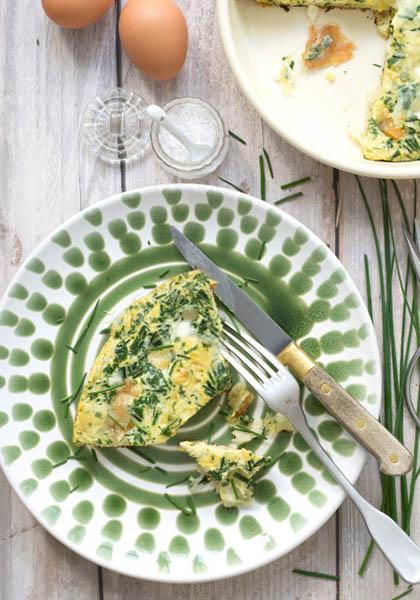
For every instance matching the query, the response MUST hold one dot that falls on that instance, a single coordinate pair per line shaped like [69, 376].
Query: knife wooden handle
[393, 458]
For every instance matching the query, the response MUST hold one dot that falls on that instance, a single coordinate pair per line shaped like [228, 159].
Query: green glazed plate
[109, 505]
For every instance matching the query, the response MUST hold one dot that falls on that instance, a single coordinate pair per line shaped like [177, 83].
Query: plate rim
[381, 169]
[300, 537]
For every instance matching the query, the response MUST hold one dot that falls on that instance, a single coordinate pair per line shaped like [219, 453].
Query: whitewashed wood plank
[48, 75]
[207, 75]
[355, 241]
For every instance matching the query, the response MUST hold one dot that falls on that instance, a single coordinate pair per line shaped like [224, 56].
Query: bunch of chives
[396, 348]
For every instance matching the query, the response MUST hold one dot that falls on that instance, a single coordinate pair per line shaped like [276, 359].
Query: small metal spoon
[196, 151]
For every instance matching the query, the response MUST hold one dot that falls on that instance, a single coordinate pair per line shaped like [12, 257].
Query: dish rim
[300, 537]
[367, 168]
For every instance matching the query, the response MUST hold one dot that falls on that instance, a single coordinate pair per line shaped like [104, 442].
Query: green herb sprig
[187, 511]
[83, 334]
[236, 137]
[316, 574]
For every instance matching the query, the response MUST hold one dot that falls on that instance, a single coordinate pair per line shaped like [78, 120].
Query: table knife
[393, 458]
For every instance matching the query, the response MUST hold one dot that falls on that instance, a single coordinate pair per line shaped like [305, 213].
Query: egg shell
[154, 35]
[75, 14]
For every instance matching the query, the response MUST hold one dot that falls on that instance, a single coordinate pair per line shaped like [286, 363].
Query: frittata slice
[377, 5]
[393, 132]
[159, 367]
[231, 471]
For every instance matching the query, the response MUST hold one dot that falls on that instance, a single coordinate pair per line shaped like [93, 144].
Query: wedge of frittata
[393, 131]
[231, 471]
[160, 366]
[377, 5]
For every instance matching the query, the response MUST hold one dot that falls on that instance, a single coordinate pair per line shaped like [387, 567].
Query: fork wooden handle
[393, 458]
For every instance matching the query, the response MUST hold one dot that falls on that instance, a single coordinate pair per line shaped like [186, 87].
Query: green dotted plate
[109, 506]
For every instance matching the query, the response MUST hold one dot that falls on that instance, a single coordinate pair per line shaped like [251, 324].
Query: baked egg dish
[230, 471]
[393, 124]
[159, 367]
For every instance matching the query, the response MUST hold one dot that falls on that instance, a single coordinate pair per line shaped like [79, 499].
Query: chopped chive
[76, 487]
[66, 399]
[316, 574]
[116, 422]
[190, 501]
[273, 461]
[82, 336]
[235, 491]
[270, 166]
[246, 430]
[191, 349]
[236, 137]
[143, 455]
[235, 187]
[405, 593]
[74, 397]
[95, 456]
[144, 470]
[288, 198]
[368, 287]
[210, 433]
[223, 412]
[366, 559]
[161, 470]
[78, 390]
[165, 272]
[105, 331]
[62, 462]
[148, 286]
[376, 65]
[107, 389]
[251, 279]
[186, 511]
[296, 182]
[262, 250]
[178, 482]
[262, 178]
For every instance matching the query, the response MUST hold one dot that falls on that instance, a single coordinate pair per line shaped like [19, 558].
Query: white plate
[317, 117]
[110, 506]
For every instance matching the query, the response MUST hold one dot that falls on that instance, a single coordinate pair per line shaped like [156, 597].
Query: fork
[262, 371]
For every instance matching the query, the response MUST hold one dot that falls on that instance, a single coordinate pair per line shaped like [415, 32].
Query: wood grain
[48, 76]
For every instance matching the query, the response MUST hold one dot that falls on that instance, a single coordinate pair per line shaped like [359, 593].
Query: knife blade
[393, 458]
[267, 331]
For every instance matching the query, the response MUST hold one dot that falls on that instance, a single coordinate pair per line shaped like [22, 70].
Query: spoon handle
[398, 548]
[158, 114]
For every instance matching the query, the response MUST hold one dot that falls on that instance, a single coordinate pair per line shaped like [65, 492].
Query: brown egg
[154, 35]
[75, 14]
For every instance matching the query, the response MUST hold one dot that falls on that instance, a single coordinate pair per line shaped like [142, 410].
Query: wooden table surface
[47, 77]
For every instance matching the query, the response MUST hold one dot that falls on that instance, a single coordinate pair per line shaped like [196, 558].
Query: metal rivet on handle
[326, 389]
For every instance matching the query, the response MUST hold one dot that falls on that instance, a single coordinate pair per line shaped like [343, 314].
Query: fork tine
[246, 353]
[242, 336]
[254, 367]
[236, 364]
